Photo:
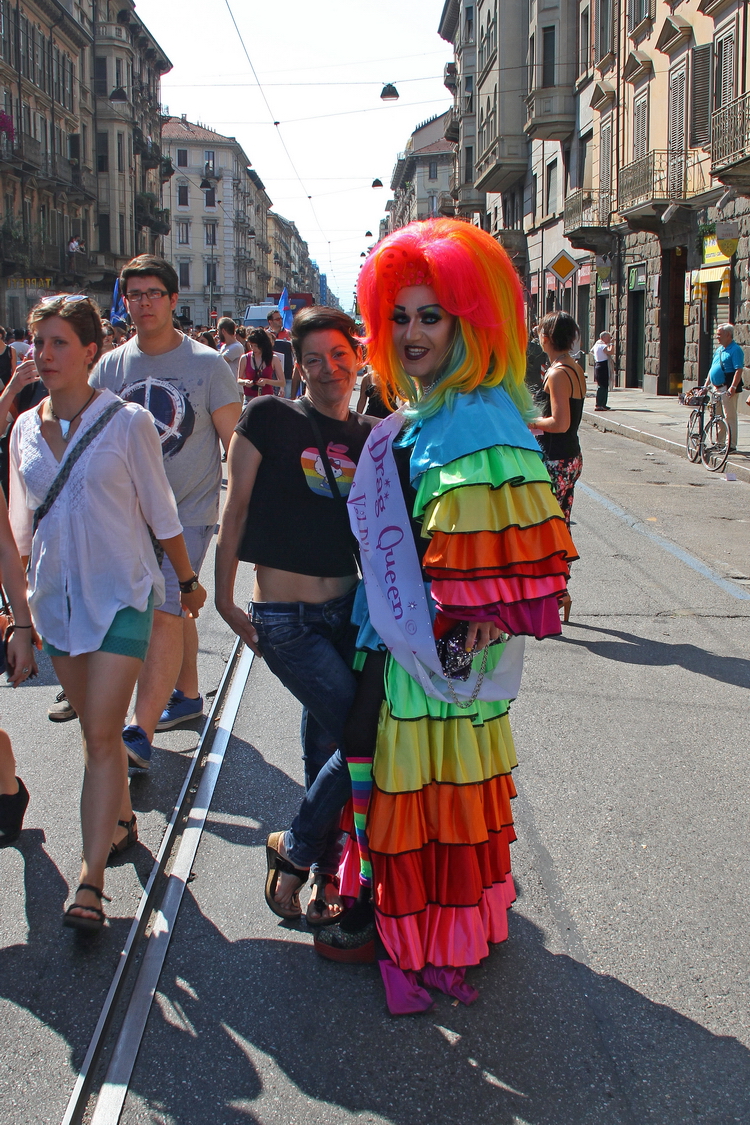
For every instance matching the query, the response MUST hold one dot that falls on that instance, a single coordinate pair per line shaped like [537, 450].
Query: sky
[321, 68]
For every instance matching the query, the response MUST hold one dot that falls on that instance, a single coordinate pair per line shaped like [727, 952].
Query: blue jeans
[310, 649]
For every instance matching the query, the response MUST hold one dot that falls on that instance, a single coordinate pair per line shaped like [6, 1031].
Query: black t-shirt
[293, 522]
[284, 347]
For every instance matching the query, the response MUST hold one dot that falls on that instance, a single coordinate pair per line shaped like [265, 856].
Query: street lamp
[377, 183]
[389, 93]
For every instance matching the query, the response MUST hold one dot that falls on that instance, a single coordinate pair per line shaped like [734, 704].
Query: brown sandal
[127, 841]
[318, 905]
[278, 864]
[79, 921]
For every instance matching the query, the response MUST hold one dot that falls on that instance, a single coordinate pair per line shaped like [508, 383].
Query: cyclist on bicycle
[725, 375]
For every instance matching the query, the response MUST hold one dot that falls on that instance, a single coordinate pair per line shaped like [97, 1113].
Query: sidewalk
[662, 422]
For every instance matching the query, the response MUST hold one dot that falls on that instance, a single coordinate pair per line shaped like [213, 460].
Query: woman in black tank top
[561, 401]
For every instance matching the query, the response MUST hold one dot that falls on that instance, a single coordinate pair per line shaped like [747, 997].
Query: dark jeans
[601, 378]
[310, 649]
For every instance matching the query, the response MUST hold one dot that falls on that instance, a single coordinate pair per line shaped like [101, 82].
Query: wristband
[190, 586]
[23, 626]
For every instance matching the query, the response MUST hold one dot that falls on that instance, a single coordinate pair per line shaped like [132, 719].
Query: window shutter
[605, 156]
[676, 136]
[640, 126]
[724, 92]
[700, 97]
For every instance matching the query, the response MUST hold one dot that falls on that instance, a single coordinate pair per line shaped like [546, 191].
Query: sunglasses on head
[65, 298]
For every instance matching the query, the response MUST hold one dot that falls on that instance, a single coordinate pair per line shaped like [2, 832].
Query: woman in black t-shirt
[286, 514]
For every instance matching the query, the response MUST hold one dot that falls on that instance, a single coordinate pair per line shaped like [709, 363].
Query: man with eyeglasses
[194, 398]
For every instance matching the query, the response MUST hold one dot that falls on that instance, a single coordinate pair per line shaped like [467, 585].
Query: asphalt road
[622, 994]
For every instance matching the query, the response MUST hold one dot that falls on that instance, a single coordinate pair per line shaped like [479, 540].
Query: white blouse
[92, 554]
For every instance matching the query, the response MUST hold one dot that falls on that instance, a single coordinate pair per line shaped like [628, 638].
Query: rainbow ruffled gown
[439, 820]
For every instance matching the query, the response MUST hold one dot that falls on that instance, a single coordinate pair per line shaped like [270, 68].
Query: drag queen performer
[444, 314]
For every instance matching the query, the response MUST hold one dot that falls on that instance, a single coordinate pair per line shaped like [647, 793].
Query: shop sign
[29, 282]
[563, 266]
[584, 274]
[727, 237]
[637, 276]
[603, 266]
[712, 254]
[602, 284]
[551, 282]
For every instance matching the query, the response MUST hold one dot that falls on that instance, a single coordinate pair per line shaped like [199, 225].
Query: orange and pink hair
[474, 280]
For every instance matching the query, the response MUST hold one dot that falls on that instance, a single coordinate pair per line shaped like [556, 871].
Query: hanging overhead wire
[281, 139]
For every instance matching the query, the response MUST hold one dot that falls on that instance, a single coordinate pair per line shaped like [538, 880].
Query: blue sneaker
[137, 746]
[180, 709]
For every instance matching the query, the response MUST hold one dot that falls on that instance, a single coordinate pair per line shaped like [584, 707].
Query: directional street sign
[563, 266]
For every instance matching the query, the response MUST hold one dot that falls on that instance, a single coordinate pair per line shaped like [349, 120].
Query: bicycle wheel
[693, 440]
[715, 446]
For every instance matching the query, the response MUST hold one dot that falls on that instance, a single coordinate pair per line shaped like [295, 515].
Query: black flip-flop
[316, 906]
[276, 865]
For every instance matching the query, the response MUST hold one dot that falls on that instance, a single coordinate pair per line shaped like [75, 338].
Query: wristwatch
[190, 586]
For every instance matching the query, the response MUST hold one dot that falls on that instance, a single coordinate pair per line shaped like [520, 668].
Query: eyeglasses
[65, 298]
[152, 294]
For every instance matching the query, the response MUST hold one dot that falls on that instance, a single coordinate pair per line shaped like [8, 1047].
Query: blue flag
[118, 311]
[286, 310]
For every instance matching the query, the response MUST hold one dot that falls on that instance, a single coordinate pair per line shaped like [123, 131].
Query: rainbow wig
[474, 281]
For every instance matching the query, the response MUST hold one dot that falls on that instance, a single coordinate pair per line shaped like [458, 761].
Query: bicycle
[707, 441]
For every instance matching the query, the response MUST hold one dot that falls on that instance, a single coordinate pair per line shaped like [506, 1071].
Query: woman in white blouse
[93, 574]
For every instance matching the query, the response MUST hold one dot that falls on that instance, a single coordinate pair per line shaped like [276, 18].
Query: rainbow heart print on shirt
[315, 474]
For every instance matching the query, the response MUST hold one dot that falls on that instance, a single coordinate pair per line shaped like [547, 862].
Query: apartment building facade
[47, 186]
[129, 164]
[422, 176]
[219, 240]
[80, 155]
[290, 264]
[624, 140]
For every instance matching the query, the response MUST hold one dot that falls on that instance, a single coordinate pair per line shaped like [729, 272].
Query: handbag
[308, 410]
[78, 449]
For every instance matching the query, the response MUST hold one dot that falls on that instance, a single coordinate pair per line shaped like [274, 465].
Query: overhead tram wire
[283, 142]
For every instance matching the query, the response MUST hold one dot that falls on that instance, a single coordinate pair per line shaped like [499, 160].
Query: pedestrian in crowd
[444, 312]
[561, 399]
[20, 664]
[87, 483]
[109, 337]
[24, 391]
[242, 337]
[20, 344]
[370, 400]
[725, 375]
[602, 351]
[282, 344]
[260, 370]
[231, 348]
[121, 332]
[536, 362]
[290, 469]
[7, 360]
[194, 400]
[208, 339]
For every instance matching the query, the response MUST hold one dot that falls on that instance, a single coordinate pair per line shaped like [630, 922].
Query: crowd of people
[400, 555]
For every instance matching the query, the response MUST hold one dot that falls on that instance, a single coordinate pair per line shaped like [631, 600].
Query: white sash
[393, 578]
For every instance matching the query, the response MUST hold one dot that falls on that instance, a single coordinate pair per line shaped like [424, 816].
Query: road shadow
[259, 1030]
[629, 648]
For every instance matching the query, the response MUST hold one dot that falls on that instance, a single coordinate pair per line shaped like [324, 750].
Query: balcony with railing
[85, 181]
[586, 220]
[661, 178]
[730, 143]
[31, 151]
[451, 127]
[446, 204]
[515, 244]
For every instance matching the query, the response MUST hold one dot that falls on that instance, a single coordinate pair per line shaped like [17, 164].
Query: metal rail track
[159, 903]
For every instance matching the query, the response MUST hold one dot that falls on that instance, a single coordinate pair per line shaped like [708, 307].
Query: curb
[741, 471]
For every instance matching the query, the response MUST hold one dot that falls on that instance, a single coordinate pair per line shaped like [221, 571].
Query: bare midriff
[283, 586]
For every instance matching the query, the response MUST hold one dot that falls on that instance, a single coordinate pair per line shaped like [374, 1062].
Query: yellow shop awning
[708, 274]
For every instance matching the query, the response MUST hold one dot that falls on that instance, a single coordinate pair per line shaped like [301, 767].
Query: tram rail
[122, 1020]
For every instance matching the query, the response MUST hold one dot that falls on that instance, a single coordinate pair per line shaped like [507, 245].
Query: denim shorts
[128, 635]
[197, 540]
